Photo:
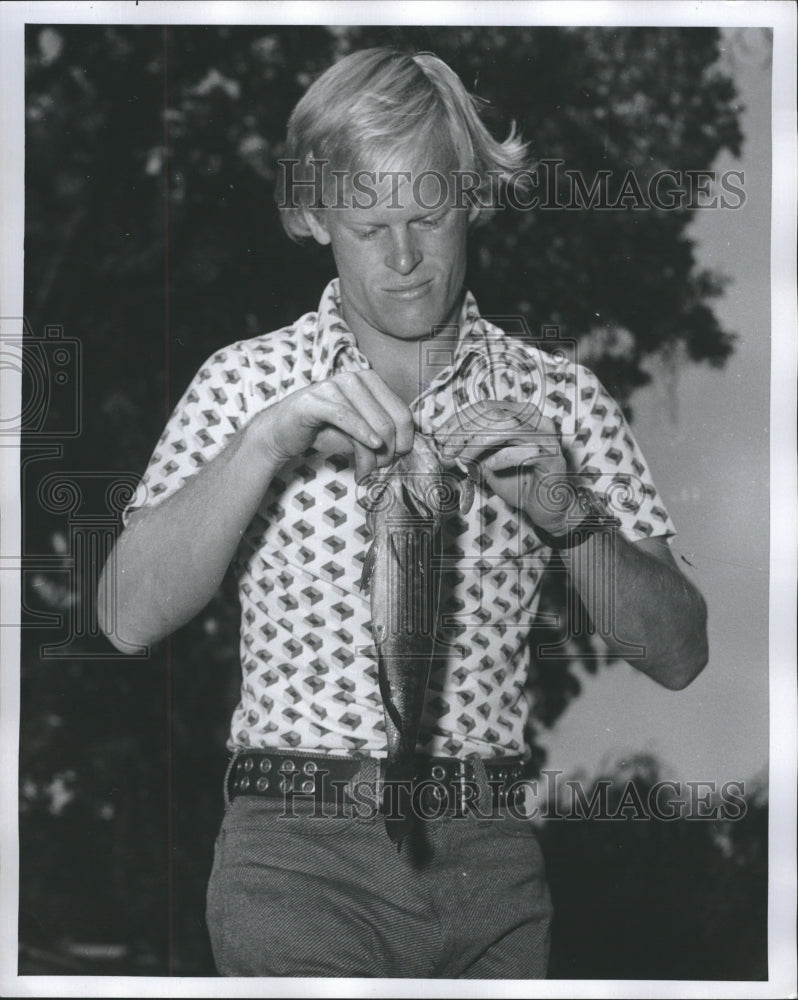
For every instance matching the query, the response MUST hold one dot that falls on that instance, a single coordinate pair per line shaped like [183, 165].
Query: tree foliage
[640, 896]
[153, 239]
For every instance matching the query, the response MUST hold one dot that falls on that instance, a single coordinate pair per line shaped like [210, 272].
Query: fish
[405, 504]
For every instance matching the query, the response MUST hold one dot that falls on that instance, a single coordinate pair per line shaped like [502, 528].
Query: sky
[705, 435]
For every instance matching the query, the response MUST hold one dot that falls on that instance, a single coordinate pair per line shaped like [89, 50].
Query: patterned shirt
[309, 669]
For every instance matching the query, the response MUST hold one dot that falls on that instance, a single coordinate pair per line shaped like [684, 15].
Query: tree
[691, 858]
[152, 239]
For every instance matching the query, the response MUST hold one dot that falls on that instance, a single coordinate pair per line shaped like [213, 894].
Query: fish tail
[397, 789]
[397, 805]
[397, 830]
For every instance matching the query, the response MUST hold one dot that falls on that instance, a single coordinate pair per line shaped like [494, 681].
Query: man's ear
[314, 222]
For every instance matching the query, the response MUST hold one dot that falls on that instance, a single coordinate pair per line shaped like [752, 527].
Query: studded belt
[445, 782]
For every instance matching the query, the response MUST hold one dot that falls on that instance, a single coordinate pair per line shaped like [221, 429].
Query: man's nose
[403, 254]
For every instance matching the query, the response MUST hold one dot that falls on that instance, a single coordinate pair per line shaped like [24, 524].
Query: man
[264, 462]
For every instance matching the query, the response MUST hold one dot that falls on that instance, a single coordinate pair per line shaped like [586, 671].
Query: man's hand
[655, 607]
[518, 451]
[201, 524]
[353, 412]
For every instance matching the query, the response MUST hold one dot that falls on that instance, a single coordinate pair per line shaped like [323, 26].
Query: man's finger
[397, 409]
[334, 409]
[333, 442]
[491, 423]
[478, 447]
[485, 412]
[365, 461]
[359, 397]
[522, 456]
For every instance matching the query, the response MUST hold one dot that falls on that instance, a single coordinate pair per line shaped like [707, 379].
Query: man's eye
[366, 234]
[431, 223]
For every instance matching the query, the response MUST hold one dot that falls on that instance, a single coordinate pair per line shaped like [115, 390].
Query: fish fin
[466, 495]
[397, 552]
[400, 554]
[387, 701]
[411, 503]
[368, 567]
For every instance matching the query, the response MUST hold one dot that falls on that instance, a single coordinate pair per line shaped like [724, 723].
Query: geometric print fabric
[309, 670]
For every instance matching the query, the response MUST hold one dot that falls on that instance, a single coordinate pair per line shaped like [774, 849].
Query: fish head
[414, 485]
[424, 487]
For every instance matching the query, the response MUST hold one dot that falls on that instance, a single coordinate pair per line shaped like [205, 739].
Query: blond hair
[377, 105]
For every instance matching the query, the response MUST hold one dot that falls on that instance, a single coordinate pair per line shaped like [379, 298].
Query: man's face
[401, 262]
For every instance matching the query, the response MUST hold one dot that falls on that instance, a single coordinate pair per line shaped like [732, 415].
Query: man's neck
[399, 363]
[404, 365]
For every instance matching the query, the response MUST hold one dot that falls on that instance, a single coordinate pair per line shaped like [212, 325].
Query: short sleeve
[216, 405]
[604, 452]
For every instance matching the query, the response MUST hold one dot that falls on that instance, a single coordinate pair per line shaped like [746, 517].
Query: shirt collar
[335, 347]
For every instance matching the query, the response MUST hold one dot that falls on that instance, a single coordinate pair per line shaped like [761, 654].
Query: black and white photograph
[398, 536]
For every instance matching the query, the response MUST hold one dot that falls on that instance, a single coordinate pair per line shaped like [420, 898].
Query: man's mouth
[410, 291]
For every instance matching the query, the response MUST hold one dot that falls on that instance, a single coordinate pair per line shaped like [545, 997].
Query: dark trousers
[314, 896]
